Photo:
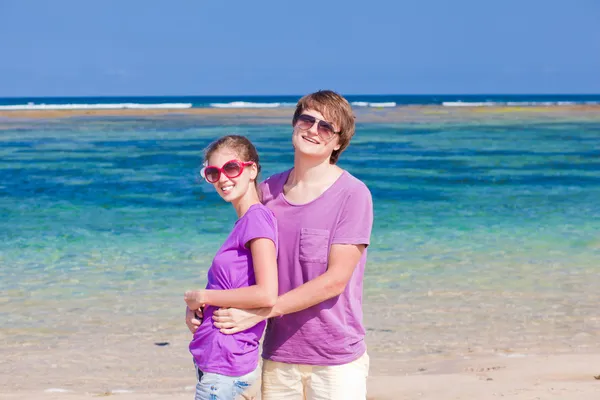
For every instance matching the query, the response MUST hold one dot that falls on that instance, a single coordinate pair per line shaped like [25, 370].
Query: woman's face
[231, 188]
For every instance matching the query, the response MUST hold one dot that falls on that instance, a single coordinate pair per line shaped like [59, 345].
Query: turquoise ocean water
[477, 225]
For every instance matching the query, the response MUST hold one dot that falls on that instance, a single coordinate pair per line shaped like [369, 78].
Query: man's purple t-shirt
[232, 268]
[332, 332]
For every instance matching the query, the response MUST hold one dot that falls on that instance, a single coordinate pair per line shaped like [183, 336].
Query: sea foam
[515, 103]
[374, 105]
[98, 106]
[245, 104]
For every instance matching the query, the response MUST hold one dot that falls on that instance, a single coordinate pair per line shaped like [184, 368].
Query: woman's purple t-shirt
[332, 332]
[232, 268]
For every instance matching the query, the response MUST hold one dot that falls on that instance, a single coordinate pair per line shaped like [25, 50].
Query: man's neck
[309, 180]
[312, 172]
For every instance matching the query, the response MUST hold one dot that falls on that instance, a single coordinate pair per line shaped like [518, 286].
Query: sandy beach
[135, 357]
[365, 115]
[519, 378]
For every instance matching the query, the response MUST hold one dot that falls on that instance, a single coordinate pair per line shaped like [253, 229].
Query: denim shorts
[212, 386]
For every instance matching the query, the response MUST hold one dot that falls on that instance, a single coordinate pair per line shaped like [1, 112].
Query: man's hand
[233, 320]
[193, 319]
[194, 299]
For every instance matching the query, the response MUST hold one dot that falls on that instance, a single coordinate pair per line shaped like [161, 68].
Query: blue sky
[199, 47]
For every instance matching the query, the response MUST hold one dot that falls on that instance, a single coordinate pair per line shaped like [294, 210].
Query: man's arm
[343, 259]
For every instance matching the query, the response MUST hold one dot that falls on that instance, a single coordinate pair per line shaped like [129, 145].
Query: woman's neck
[243, 204]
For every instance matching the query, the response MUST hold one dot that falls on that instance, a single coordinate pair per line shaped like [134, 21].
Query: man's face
[318, 140]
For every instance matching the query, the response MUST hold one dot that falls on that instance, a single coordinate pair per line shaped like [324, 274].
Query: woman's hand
[193, 319]
[195, 299]
[233, 320]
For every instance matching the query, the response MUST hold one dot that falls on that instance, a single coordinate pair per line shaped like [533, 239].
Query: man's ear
[337, 145]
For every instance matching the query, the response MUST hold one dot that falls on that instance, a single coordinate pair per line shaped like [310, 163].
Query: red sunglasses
[231, 169]
[324, 128]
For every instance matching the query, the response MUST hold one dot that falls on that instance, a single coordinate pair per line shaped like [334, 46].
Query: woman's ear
[253, 171]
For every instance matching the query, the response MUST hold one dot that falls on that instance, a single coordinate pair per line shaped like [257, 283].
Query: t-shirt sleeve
[271, 187]
[258, 223]
[263, 190]
[356, 219]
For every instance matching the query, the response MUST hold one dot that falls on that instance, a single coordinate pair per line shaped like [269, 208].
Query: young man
[314, 344]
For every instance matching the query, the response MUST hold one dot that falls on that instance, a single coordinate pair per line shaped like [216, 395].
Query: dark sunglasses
[324, 128]
[231, 169]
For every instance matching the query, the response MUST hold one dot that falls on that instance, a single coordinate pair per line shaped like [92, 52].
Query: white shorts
[312, 382]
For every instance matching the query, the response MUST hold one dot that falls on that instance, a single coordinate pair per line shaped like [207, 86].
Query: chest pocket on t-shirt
[314, 245]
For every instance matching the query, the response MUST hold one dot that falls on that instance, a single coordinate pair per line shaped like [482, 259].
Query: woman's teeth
[226, 188]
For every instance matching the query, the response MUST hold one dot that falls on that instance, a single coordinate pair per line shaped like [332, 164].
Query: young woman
[243, 274]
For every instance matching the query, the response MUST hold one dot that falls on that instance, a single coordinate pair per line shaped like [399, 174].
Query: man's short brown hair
[336, 110]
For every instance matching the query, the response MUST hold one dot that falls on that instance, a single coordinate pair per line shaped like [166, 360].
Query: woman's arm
[262, 294]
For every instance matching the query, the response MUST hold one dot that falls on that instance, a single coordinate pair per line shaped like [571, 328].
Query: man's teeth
[310, 140]
[227, 188]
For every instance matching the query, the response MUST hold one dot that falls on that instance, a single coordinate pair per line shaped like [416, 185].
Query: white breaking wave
[374, 105]
[116, 106]
[245, 104]
[516, 103]
[466, 104]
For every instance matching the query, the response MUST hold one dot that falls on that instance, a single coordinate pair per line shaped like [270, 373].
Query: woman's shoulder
[258, 221]
[259, 211]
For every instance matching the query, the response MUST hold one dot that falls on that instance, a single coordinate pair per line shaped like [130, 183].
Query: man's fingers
[192, 328]
[191, 319]
[216, 318]
[230, 331]
[221, 325]
[222, 312]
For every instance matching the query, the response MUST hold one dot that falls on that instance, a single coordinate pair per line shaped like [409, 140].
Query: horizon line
[293, 95]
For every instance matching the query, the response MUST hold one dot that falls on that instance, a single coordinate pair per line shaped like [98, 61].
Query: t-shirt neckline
[286, 177]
